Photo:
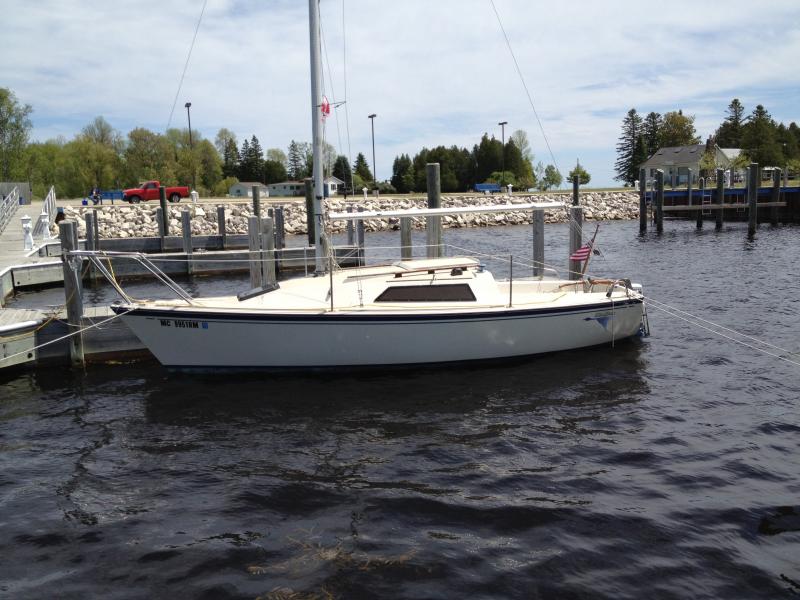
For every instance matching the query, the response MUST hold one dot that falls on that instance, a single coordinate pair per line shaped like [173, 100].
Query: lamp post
[374, 173]
[188, 105]
[503, 134]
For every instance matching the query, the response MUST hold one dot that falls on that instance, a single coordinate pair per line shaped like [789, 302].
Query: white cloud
[434, 72]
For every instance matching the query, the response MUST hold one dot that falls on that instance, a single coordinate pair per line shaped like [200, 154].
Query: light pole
[188, 105]
[374, 173]
[503, 134]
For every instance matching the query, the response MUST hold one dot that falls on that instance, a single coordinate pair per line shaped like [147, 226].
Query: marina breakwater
[132, 221]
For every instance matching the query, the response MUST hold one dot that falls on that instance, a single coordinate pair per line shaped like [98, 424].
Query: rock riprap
[139, 220]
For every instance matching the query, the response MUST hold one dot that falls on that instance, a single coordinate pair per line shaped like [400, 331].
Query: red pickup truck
[149, 191]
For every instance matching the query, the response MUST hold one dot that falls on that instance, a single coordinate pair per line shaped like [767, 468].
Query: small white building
[244, 189]
[298, 188]
[287, 188]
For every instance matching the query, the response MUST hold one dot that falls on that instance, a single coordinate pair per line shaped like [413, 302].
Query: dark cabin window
[427, 293]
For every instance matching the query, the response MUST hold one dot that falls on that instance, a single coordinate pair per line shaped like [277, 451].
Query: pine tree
[230, 159]
[759, 138]
[729, 133]
[651, 130]
[581, 173]
[361, 168]
[296, 161]
[399, 169]
[341, 169]
[626, 168]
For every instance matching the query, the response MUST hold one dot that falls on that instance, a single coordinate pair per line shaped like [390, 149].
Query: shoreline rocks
[139, 220]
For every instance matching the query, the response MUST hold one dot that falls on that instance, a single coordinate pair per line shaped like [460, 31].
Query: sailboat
[408, 312]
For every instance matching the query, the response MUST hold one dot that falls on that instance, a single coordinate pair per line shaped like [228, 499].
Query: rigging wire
[186, 65]
[524, 85]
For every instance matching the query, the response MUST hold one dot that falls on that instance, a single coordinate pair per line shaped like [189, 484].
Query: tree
[277, 155]
[651, 130]
[550, 178]
[759, 139]
[520, 138]
[400, 167]
[341, 170]
[488, 157]
[15, 127]
[148, 155]
[678, 130]
[274, 171]
[99, 147]
[230, 159]
[504, 179]
[223, 139]
[581, 173]
[210, 165]
[251, 164]
[295, 161]
[626, 167]
[729, 133]
[361, 168]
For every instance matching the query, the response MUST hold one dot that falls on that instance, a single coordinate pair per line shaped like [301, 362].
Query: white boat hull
[183, 337]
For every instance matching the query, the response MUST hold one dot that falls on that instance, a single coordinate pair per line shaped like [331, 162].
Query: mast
[316, 131]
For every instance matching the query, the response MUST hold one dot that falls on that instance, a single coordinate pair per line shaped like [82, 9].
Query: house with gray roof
[677, 160]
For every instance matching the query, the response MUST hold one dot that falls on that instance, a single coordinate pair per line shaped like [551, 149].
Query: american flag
[582, 253]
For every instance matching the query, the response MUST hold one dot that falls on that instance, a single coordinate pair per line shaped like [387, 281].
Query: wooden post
[310, 227]
[659, 201]
[96, 230]
[538, 243]
[434, 224]
[642, 200]
[254, 245]
[360, 230]
[91, 241]
[221, 225]
[162, 199]
[73, 288]
[719, 197]
[280, 228]
[351, 230]
[575, 240]
[702, 196]
[753, 176]
[575, 191]
[256, 191]
[269, 277]
[160, 222]
[406, 248]
[776, 196]
[186, 230]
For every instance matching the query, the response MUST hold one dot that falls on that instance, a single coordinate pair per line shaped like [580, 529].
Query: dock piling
[699, 223]
[162, 199]
[753, 176]
[538, 243]
[256, 192]
[642, 201]
[269, 264]
[406, 248]
[351, 231]
[186, 230]
[254, 245]
[360, 237]
[73, 288]
[221, 225]
[719, 198]
[575, 240]
[280, 228]
[434, 223]
[659, 201]
[776, 196]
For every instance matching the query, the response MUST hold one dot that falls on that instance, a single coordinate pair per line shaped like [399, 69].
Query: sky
[435, 72]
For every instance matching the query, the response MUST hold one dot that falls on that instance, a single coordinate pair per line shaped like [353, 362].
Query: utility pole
[503, 134]
[374, 172]
[188, 105]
